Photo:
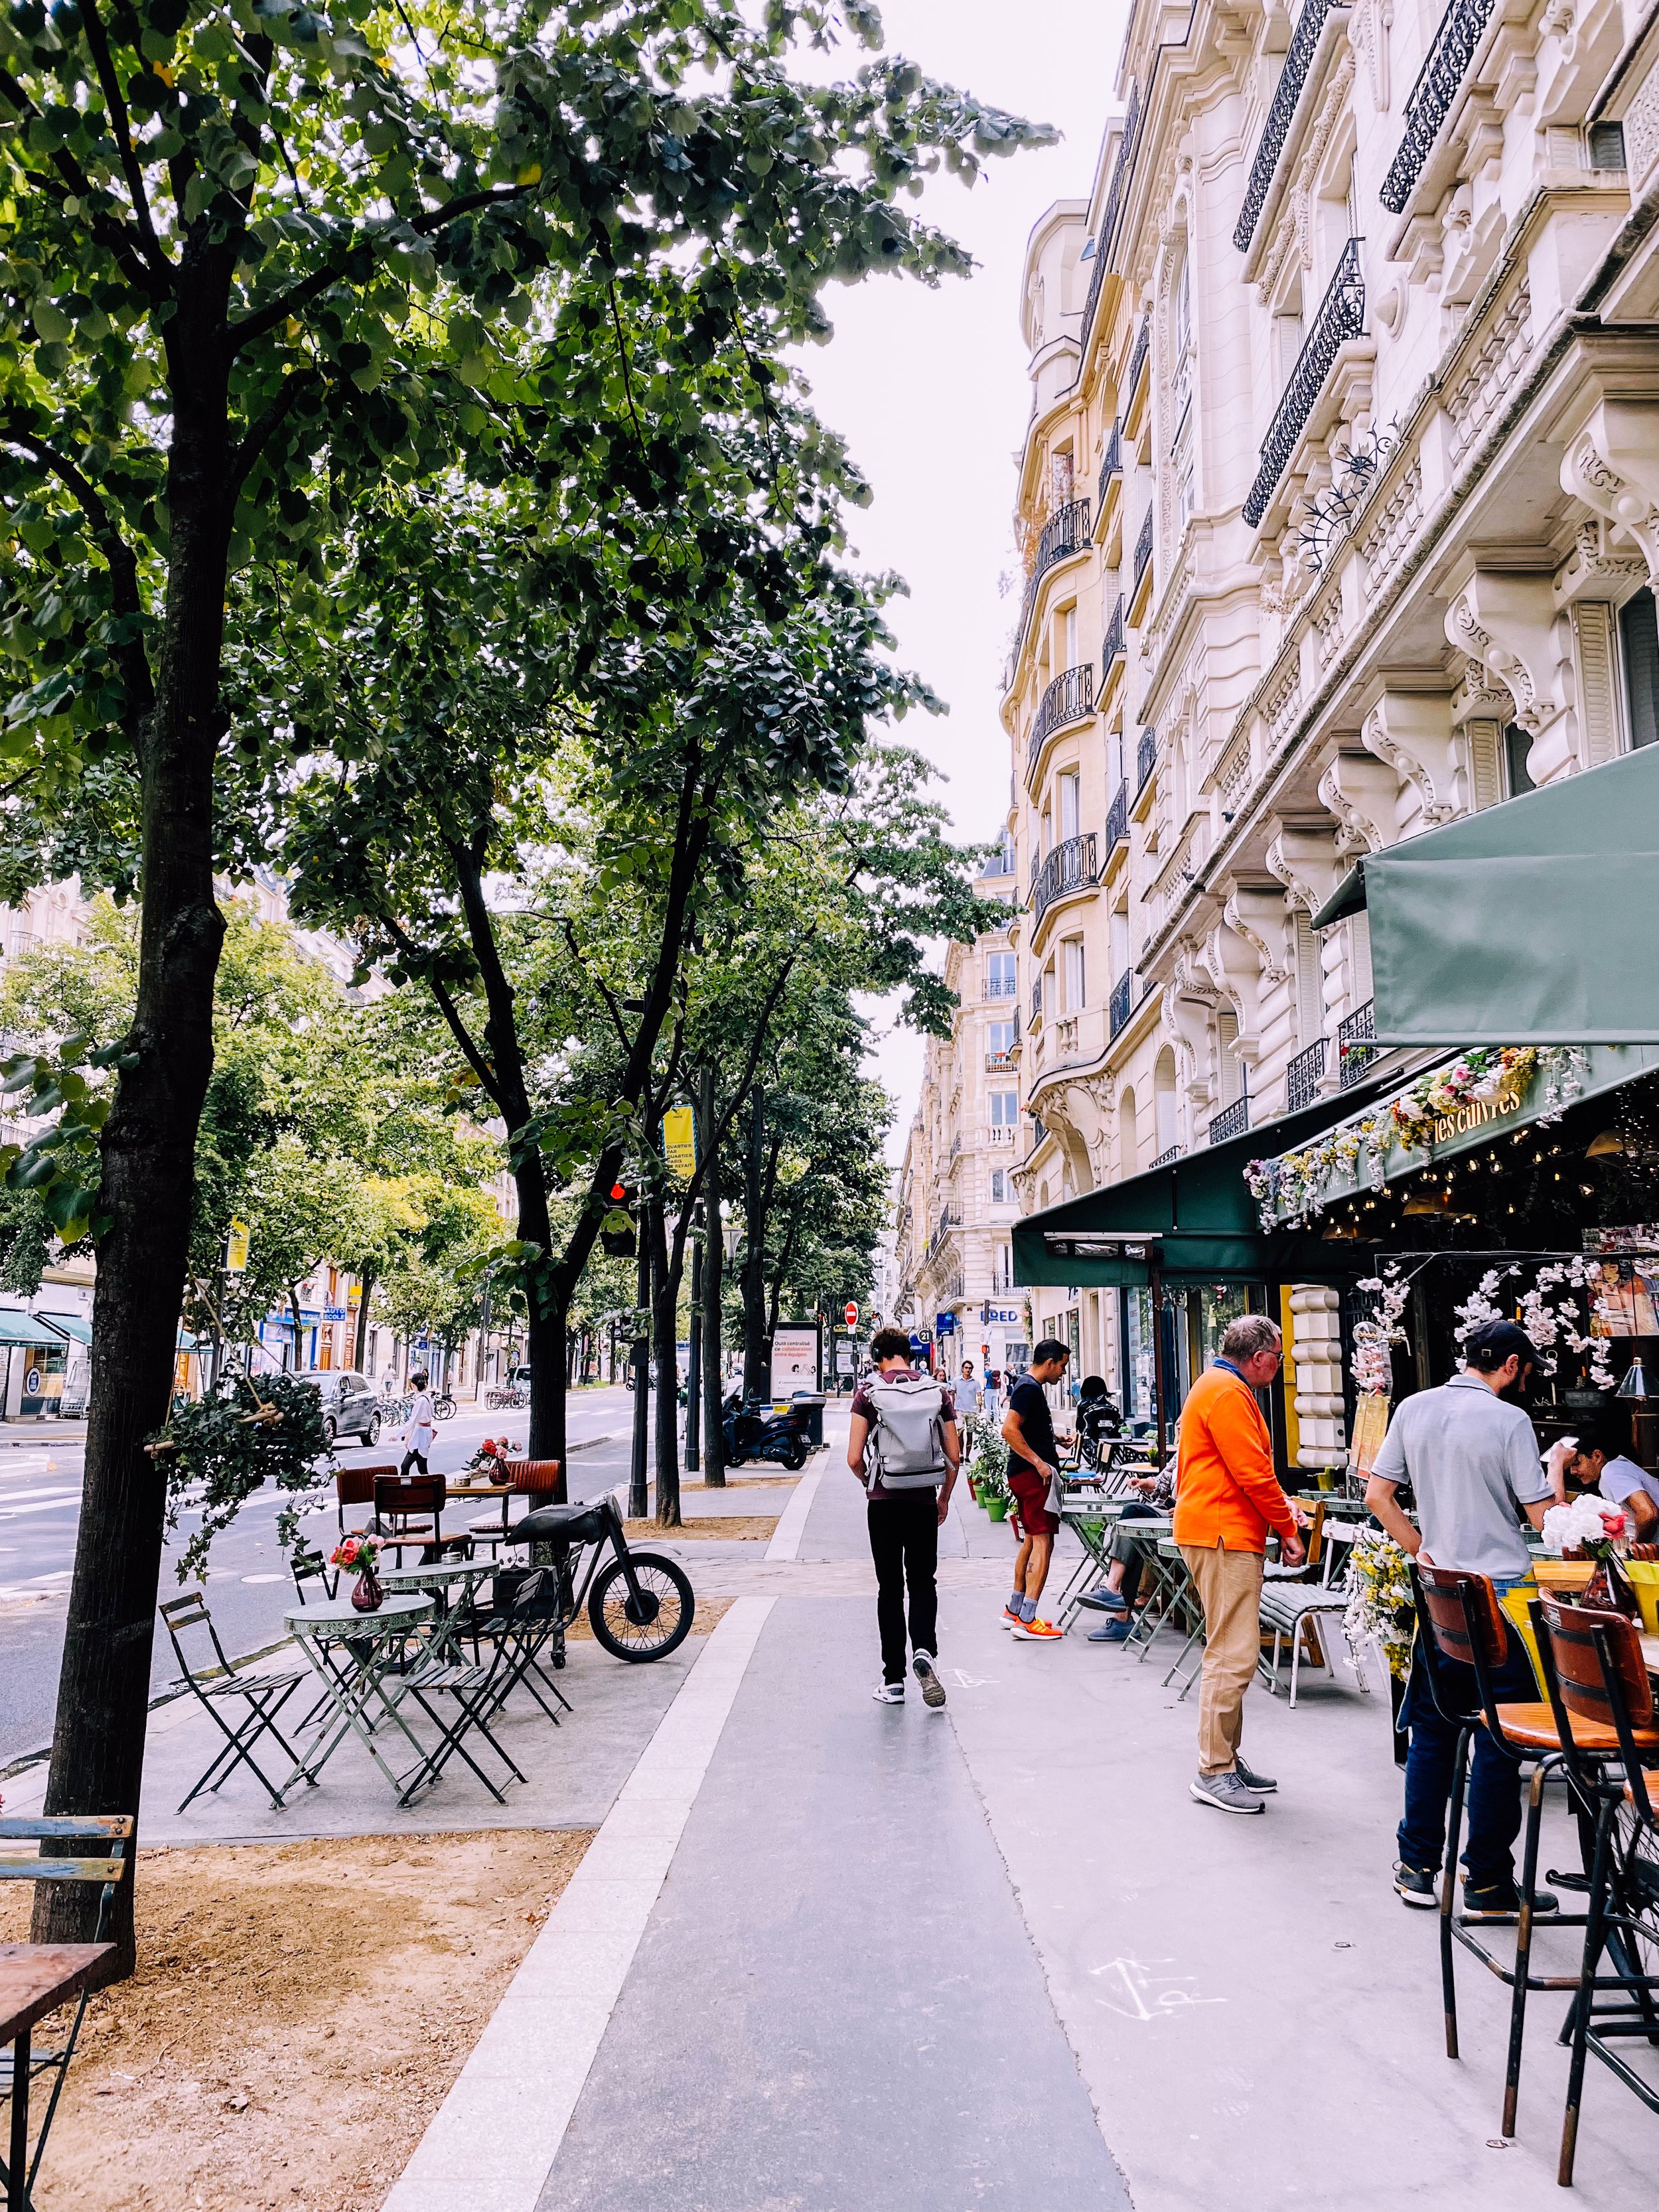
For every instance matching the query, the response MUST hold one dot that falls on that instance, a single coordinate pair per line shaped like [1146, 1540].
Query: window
[1638, 629]
[1070, 620]
[1001, 979]
[1076, 997]
[1231, 1067]
[1309, 983]
[1000, 1039]
[1517, 746]
[1180, 344]
[998, 1187]
[1005, 1108]
[1070, 821]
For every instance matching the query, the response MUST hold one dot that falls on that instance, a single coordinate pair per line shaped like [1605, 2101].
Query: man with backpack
[902, 1446]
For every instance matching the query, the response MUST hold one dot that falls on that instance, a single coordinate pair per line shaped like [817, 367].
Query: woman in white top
[423, 1425]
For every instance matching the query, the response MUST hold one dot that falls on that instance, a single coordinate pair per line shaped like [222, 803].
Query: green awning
[17, 1327]
[76, 1326]
[1193, 1220]
[1535, 922]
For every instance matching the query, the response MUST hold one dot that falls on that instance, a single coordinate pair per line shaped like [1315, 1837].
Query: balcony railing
[1111, 646]
[947, 1222]
[1298, 60]
[1122, 1002]
[1069, 698]
[1137, 361]
[998, 1063]
[1037, 1003]
[1231, 1121]
[1340, 316]
[1165, 1158]
[1065, 532]
[1070, 867]
[1111, 466]
[1002, 987]
[1445, 67]
[1142, 547]
[1303, 1075]
[1145, 758]
[1117, 819]
[1354, 1050]
[1121, 168]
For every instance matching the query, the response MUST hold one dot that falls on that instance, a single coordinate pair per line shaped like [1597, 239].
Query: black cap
[1495, 1342]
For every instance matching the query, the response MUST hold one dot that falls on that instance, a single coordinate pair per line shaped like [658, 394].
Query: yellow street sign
[236, 1246]
[679, 1140]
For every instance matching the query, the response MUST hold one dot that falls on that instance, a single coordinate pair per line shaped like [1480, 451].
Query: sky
[930, 389]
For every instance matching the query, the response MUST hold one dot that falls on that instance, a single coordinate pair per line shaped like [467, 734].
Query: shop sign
[1006, 1316]
[945, 1324]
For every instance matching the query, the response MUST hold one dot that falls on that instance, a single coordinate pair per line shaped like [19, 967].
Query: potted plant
[359, 1556]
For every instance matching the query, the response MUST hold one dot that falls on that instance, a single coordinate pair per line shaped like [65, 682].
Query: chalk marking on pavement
[791, 1521]
[964, 1681]
[1138, 1982]
[495, 2137]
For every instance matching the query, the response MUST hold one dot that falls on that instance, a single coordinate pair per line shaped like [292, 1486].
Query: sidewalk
[995, 1956]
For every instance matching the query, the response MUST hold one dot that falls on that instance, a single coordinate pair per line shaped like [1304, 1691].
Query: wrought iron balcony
[947, 1222]
[1340, 316]
[1111, 646]
[1298, 60]
[1165, 1158]
[1001, 987]
[1122, 1001]
[1037, 1003]
[1231, 1121]
[1121, 168]
[1111, 466]
[1303, 1076]
[1069, 698]
[1070, 867]
[1145, 758]
[1065, 532]
[1117, 819]
[1445, 67]
[1354, 1050]
[1137, 361]
[1142, 547]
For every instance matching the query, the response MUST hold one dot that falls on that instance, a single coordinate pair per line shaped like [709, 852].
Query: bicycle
[443, 1406]
[640, 1605]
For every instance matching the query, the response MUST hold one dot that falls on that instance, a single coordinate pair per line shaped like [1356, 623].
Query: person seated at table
[1601, 1462]
[1154, 1500]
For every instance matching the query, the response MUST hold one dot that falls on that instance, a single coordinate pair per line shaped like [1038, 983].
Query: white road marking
[791, 1521]
[1147, 1995]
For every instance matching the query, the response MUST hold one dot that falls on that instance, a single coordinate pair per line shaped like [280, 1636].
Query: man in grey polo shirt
[1471, 1457]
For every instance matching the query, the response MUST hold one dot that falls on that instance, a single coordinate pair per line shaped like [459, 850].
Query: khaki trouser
[1229, 1585]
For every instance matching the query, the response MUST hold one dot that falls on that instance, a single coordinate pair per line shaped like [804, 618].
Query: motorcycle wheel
[795, 1459]
[736, 1459]
[665, 1609]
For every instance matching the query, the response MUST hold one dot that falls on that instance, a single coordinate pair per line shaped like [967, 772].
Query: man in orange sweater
[1227, 1498]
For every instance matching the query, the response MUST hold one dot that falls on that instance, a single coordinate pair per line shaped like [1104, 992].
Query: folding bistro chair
[1600, 1683]
[263, 1696]
[1460, 1618]
[524, 1613]
[399, 1497]
[108, 1861]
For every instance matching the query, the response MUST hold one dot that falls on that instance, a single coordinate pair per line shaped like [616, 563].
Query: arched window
[1128, 1143]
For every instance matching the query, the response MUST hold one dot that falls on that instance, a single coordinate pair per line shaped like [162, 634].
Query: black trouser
[904, 1545]
[1130, 1553]
[412, 1458]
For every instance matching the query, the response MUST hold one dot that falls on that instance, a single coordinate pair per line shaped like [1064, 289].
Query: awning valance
[17, 1327]
[1193, 1220]
[1535, 922]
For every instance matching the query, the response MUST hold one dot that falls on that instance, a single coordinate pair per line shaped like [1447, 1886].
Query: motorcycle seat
[559, 1524]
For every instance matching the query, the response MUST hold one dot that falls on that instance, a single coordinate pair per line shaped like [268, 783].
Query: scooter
[752, 1433]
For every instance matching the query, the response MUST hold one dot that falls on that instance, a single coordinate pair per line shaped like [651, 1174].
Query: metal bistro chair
[1459, 1617]
[396, 1497]
[110, 1866]
[1601, 1683]
[1308, 1599]
[536, 1479]
[524, 1613]
[263, 1696]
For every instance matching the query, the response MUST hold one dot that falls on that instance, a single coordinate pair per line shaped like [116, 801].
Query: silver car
[350, 1407]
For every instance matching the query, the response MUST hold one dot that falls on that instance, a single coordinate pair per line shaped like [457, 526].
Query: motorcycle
[753, 1433]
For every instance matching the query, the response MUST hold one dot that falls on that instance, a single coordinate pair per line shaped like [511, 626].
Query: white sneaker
[889, 1693]
[932, 1690]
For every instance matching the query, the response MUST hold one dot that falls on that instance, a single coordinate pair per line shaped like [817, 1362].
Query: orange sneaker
[1009, 1617]
[1040, 1632]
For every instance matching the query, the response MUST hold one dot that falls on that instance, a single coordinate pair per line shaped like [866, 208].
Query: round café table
[354, 1656]
[436, 1579]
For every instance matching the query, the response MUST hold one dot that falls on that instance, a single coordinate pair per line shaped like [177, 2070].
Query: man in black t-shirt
[1028, 1430]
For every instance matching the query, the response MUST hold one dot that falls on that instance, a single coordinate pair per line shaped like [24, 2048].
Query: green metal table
[357, 1700]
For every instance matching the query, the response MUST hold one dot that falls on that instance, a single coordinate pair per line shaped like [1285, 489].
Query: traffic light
[620, 1242]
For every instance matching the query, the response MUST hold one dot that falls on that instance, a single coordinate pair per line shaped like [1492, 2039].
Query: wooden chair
[536, 1479]
[1460, 1617]
[108, 1863]
[354, 1485]
[1604, 1688]
[397, 1497]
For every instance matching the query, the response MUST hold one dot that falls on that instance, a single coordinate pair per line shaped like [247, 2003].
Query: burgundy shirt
[862, 1405]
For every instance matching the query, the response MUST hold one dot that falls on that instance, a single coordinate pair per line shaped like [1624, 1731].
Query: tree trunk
[149, 1146]
[713, 1264]
[665, 1344]
[756, 1378]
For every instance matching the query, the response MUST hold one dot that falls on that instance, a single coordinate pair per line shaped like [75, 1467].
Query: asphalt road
[247, 1585]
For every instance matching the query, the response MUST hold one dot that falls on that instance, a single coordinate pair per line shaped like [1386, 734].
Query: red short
[1030, 1494]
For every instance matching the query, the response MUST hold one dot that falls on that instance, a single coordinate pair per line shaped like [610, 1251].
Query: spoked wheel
[648, 1627]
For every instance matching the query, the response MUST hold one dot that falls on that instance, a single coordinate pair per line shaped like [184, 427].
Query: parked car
[351, 1406]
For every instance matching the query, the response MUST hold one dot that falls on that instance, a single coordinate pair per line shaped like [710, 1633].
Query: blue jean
[1492, 1807]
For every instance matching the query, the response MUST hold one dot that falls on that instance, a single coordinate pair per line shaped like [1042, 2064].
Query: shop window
[1518, 747]
[1639, 630]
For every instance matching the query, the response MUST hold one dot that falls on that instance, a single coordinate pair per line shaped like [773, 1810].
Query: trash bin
[812, 1403]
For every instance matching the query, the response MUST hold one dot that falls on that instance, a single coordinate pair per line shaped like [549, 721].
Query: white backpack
[906, 1450]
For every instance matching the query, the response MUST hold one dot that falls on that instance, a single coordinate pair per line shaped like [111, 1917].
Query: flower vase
[366, 1596]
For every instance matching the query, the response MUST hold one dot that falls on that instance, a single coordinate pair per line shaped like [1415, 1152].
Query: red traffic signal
[619, 1194]
[620, 1244]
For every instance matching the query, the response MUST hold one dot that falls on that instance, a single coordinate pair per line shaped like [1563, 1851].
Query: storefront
[36, 1354]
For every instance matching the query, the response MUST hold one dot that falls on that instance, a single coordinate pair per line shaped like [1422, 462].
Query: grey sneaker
[1226, 1793]
[1263, 1784]
[932, 1690]
[889, 1693]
